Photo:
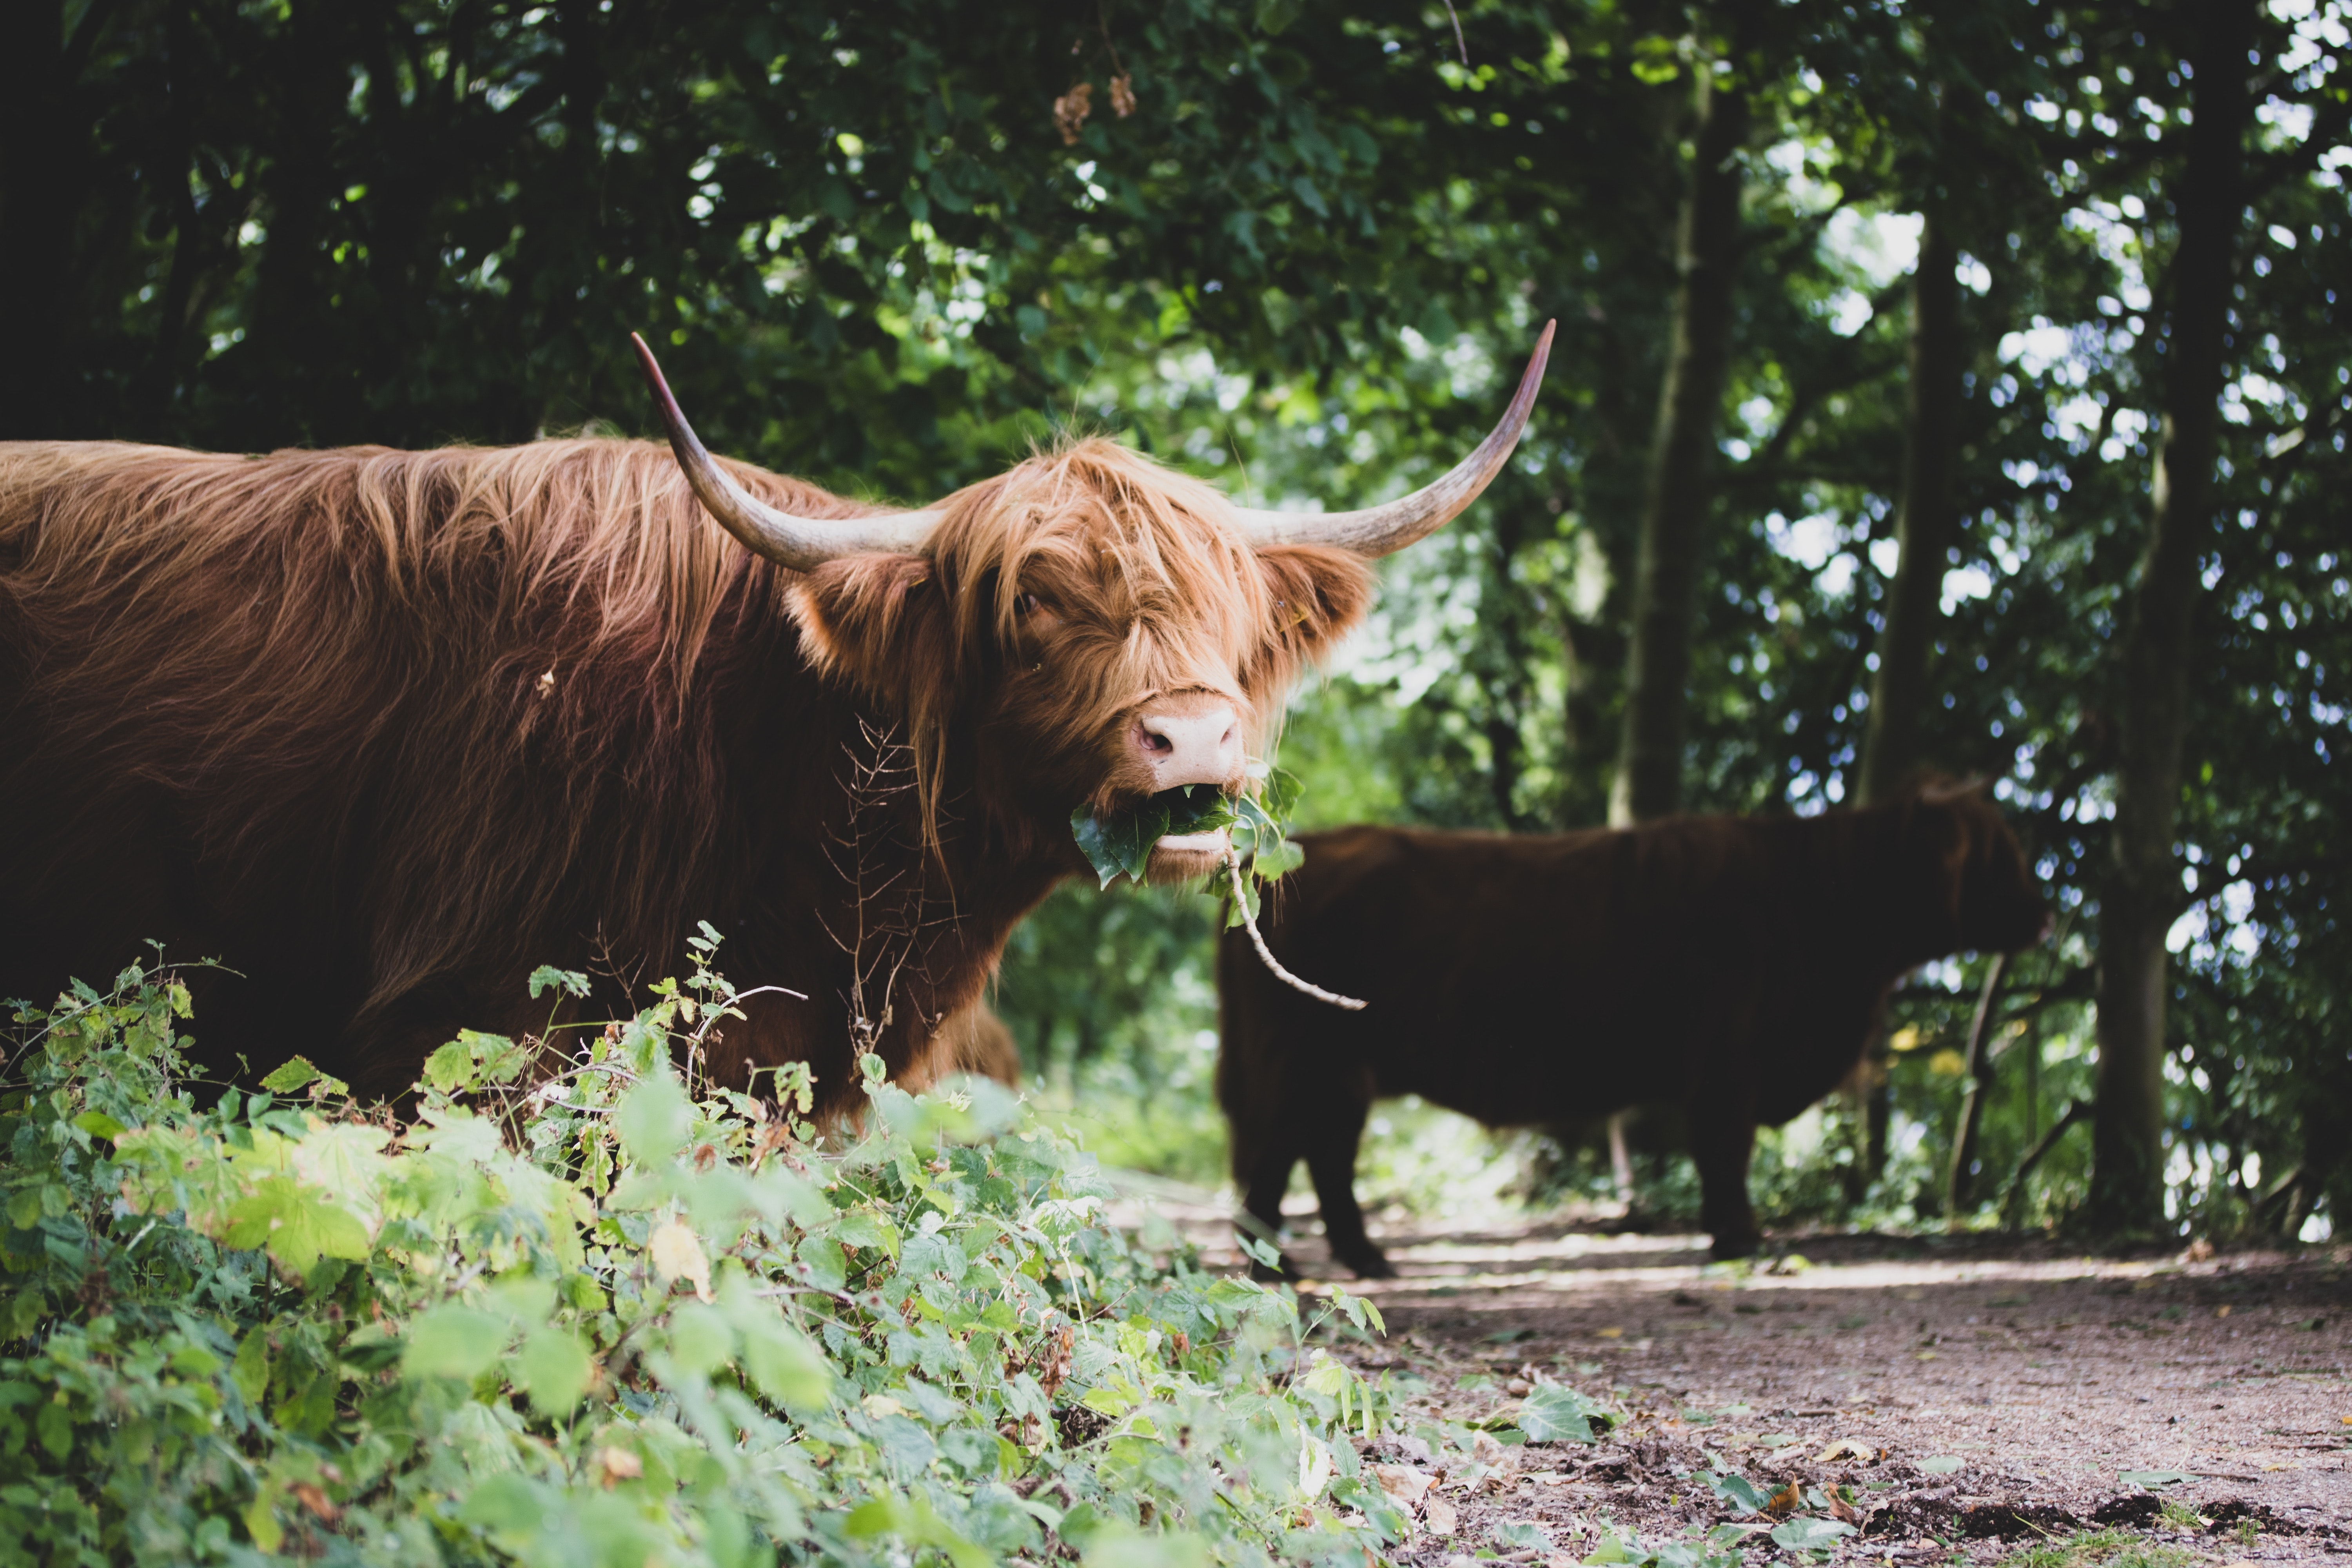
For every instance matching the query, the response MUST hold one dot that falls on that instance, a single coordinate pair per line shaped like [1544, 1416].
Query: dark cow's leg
[1332, 1161]
[1722, 1137]
[1265, 1176]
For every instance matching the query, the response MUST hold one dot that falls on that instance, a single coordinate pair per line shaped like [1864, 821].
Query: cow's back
[380, 729]
[1507, 976]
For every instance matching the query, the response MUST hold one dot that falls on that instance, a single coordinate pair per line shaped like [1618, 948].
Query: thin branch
[1241, 901]
[1465, 60]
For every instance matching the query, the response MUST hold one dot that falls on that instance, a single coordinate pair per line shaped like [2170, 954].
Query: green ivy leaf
[1552, 1415]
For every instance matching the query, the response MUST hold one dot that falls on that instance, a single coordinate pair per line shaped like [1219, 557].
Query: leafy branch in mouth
[1256, 824]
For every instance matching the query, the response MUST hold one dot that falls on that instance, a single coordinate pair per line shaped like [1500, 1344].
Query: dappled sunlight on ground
[1996, 1389]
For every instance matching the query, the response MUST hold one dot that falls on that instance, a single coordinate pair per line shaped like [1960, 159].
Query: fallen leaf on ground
[1403, 1480]
[1846, 1448]
[1941, 1464]
[1610, 1333]
[2154, 1479]
[1784, 1502]
[1440, 1516]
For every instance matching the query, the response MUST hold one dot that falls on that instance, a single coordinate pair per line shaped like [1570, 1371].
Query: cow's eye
[1035, 614]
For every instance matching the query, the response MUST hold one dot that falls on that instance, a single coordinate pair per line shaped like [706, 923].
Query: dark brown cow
[1733, 964]
[384, 730]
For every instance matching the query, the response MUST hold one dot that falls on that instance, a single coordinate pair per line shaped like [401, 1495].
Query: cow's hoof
[1728, 1247]
[1371, 1265]
[1273, 1274]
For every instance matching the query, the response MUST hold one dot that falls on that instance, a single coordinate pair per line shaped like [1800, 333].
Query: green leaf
[1274, 16]
[1744, 1495]
[1809, 1534]
[1552, 1415]
[700, 1339]
[450, 1069]
[1119, 1547]
[1521, 1535]
[1941, 1464]
[785, 1367]
[548, 976]
[251, 1371]
[1279, 859]
[297, 1223]
[99, 1124]
[654, 1120]
[291, 1075]
[553, 1368]
[452, 1341]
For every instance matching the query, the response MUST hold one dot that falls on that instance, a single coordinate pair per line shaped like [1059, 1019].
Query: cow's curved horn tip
[651, 365]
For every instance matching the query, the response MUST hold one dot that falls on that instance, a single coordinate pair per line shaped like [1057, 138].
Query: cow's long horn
[1382, 530]
[803, 544]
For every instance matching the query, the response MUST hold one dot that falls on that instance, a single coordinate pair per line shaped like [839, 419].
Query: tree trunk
[44, 147]
[1679, 491]
[1925, 523]
[2143, 891]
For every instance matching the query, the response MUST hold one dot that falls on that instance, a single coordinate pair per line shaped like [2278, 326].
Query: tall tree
[2142, 897]
[1926, 517]
[1679, 493]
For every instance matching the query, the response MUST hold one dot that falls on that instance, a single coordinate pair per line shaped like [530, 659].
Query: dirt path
[1944, 1397]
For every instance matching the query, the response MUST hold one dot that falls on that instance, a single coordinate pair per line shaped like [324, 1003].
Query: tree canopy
[1302, 247]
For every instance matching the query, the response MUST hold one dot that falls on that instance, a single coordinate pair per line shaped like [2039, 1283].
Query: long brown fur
[385, 729]
[1729, 964]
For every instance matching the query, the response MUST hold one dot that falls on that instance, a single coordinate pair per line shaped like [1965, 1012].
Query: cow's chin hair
[1188, 858]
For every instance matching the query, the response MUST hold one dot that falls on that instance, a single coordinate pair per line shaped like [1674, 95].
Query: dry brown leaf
[1440, 1516]
[317, 1501]
[1070, 111]
[619, 1465]
[1403, 1482]
[1843, 1512]
[1844, 1448]
[1784, 1502]
[676, 1255]
[1122, 95]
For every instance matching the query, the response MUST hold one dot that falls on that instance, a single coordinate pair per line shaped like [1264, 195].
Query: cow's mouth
[1176, 834]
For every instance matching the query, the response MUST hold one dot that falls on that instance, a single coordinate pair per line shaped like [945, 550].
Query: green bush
[613, 1315]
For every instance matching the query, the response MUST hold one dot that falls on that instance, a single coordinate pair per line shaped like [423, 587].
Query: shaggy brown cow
[1731, 963]
[384, 730]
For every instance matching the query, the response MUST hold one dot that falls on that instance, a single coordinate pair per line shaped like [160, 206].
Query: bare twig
[1241, 901]
[1457, 33]
[2078, 1111]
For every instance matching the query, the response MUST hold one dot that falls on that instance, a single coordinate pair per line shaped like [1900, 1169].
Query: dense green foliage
[605, 1321]
[1300, 247]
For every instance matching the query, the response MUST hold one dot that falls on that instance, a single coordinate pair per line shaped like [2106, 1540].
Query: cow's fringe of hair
[1178, 601]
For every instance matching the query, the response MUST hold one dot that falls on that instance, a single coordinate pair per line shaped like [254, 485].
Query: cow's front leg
[1332, 1161]
[1722, 1137]
[1263, 1170]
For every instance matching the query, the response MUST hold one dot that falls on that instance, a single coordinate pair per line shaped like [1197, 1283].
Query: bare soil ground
[1956, 1399]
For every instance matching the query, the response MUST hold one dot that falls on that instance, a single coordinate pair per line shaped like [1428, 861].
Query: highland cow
[1732, 965]
[385, 731]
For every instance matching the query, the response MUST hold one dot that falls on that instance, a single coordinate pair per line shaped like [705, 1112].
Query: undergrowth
[613, 1315]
